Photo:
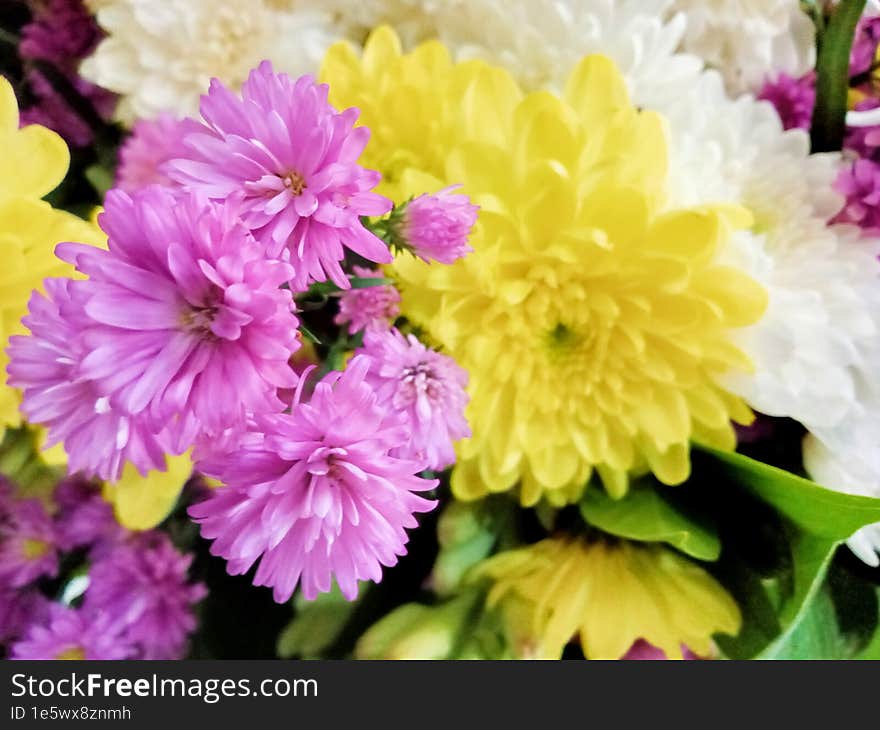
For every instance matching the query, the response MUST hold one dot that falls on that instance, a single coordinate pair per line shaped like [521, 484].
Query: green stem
[832, 84]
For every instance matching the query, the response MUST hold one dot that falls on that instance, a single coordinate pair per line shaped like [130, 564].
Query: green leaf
[467, 532]
[815, 635]
[322, 288]
[315, 626]
[832, 82]
[813, 509]
[815, 520]
[308, 334]
[872, 650]
[646, 516]
[838, 621]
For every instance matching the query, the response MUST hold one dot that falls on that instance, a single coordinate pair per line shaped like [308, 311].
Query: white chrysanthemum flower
[160, 55]
[354, 19]
[540, 41]
[746, 40]
[847, 472]
[817, 344]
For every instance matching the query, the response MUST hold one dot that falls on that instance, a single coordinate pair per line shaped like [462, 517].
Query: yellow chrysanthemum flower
[594, 322]
[34, 159]
[397, 99]
[33, 162]
[609, 594]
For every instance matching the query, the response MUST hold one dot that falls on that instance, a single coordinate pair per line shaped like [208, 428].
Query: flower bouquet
[441, 330]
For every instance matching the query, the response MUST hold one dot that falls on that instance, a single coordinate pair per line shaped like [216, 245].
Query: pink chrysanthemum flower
[142, 588]
[373, 307]
[317, 493]
[98, 439]
[426, 388]
[294, 157]
[436, 226]
[792, 98]
[27, 543]
[190, 322]
[84, 517]
[152, 143]
[71, 634]
[860, 185]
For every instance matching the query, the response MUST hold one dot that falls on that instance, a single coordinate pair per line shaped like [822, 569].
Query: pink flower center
[417, 381]
[294, 182]
[321, 461]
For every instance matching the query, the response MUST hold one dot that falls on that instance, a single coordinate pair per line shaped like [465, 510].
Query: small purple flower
[50, 109]
[191, 326]
[61, 31]
[792, 98]
[373, 307]
[318, 493]
[141, 588]
[425, 388]
[860, 185]
[864, 141]
[28, 544]
[436, 227]
[61, 34]
[46, 365]
[864, 48]
[294, 158]
[84, 517]
[19, 609]
[71, 634]
[152, 143]
[644, 651]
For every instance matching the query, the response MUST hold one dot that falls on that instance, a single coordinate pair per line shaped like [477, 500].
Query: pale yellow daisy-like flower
[607, 595]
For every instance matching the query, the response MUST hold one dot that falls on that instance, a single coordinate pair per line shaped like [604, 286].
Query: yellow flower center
[74, 653]
[33, 549]
[294, 182]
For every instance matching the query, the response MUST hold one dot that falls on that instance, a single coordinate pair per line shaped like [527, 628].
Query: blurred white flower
[160, 55]
[747, 40]
[846, 472]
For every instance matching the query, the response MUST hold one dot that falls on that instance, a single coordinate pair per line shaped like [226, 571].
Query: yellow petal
[142, 502]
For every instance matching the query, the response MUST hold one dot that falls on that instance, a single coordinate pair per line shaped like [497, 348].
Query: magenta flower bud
[437, 226]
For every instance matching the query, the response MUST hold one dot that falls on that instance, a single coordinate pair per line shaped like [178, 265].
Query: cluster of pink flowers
[184, 331]
[138, 603]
